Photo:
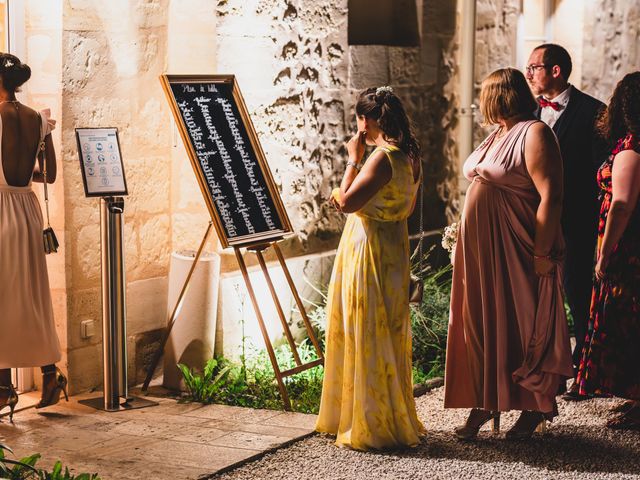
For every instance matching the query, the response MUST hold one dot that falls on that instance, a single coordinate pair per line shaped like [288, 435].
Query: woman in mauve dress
[508, 344]
[27, 329]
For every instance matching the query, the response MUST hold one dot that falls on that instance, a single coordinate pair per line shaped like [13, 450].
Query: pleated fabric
[508, 343]
[27, 330]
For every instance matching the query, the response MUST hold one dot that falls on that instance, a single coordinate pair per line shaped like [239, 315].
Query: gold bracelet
[354, 165]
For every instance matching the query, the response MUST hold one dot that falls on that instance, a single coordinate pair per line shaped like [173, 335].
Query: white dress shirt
[550, 116]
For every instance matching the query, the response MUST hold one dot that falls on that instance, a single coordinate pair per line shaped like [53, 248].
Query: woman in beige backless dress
[508, 344]
[27, 329]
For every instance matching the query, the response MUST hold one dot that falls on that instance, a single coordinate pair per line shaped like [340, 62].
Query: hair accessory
[384, 89]
[8, 63]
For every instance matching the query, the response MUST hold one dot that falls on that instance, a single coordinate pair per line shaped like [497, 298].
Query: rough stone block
[85, 368]
[368, 65]
[404, 65]
[146, 345]
[235, 307]
[146, 305]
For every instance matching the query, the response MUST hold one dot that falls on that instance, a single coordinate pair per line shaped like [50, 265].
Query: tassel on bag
[48, 235]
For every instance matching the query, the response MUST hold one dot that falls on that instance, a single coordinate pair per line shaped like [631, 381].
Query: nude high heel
[11, 401]
[51, 397]
[469, 431]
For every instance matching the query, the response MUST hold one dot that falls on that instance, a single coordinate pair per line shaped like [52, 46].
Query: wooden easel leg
[283, 320]
[263, 329]
[165, 336]
[298, 300]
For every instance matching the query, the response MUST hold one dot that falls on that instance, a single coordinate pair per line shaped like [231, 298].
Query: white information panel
[101, 162]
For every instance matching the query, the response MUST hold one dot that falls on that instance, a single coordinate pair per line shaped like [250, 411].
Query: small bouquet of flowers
[449, 238]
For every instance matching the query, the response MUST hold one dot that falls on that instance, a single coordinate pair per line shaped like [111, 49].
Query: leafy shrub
[429, 323]
[252, 381]
[25, 469]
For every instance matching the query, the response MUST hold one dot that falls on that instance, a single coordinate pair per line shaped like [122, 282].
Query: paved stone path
[576, 446]
[170, 441]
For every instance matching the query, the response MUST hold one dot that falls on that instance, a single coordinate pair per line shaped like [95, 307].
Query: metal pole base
[129, 403]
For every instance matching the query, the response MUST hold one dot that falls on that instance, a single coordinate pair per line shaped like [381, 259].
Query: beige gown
[27, 330]
[508, 344]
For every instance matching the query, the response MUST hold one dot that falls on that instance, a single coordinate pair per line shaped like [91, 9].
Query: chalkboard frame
[245, 240]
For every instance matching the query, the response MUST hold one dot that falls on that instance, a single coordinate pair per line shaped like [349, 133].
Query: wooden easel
[300, 367]
[257, 249]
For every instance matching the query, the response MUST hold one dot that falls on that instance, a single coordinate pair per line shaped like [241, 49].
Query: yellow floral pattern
[367, 396]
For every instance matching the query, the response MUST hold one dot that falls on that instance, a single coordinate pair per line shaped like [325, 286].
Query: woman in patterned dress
[367, 395]
[611, 356]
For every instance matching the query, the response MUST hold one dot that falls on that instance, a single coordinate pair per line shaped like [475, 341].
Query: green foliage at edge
[25, 468]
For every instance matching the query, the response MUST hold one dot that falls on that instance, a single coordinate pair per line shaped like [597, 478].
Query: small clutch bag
[50, 241]
[416, 290]
[48, 235]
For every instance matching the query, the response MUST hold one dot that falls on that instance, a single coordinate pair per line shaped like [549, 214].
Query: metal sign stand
[114, 329]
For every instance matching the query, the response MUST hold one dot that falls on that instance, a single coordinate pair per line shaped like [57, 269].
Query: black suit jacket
[583, 151]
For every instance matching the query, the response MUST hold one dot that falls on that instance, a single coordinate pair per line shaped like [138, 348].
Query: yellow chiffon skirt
[367, 397]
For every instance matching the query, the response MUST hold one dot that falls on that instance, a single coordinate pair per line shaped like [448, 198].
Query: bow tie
[546, 103]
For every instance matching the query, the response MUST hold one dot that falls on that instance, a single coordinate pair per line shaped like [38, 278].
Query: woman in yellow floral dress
[367, 397]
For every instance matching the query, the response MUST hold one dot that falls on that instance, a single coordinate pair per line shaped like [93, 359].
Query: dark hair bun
[13, 72]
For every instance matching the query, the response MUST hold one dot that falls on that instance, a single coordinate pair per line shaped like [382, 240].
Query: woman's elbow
[347, 207]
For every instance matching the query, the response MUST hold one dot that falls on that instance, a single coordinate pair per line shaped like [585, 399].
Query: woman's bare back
[20, 139]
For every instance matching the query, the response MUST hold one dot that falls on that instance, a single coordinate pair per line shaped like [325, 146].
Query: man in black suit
[572, 114]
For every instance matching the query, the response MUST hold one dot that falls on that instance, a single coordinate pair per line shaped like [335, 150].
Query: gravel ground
[576, 445]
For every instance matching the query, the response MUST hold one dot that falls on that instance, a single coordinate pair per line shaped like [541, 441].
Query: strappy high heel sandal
[51, 397]
[528, 423]
[11, 401]
[470, 429]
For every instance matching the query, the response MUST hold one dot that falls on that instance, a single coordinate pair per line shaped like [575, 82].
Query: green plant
[17, 469]
[204, 388]
[430, 320]
[24, 469]
[56, 474]
[252, 383]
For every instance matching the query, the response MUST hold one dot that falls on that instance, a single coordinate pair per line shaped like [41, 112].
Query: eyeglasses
[533, 67]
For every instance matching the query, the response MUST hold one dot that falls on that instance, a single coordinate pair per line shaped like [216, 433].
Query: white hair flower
[8, 63]
[384, 89]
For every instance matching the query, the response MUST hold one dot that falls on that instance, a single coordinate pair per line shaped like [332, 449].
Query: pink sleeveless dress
[27, 329]
[508, 344]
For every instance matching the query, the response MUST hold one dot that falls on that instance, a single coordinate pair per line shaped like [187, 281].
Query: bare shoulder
[540, 134]
[628, 157]
[539, 129]
[378, 159]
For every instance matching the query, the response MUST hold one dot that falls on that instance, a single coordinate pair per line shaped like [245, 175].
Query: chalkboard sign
[227, 158]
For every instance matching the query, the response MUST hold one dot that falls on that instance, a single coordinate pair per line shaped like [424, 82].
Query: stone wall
[496, 30]
[611, 44]
[112, 55]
